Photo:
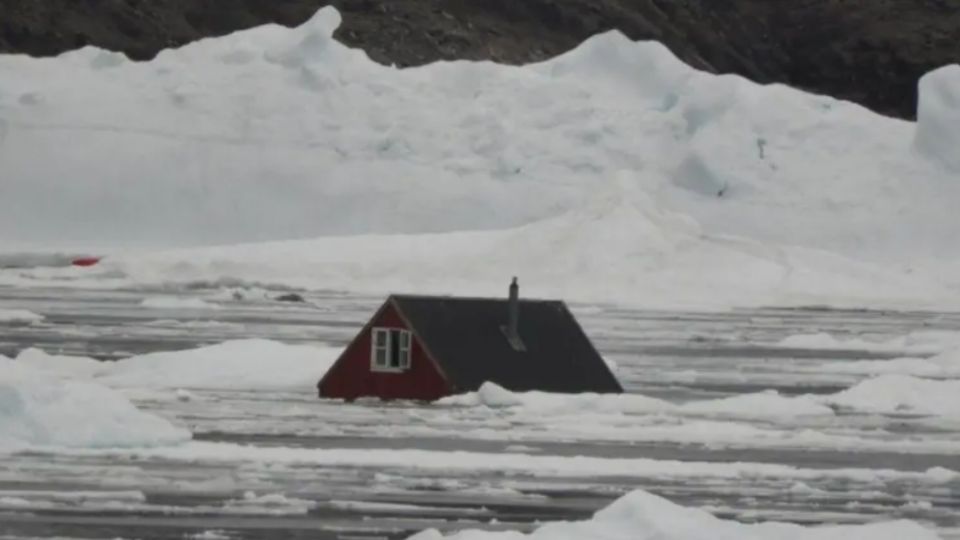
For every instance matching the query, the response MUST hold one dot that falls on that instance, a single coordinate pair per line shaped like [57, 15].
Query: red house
[428, 347]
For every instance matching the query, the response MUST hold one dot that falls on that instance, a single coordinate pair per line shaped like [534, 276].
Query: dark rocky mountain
[868, 51]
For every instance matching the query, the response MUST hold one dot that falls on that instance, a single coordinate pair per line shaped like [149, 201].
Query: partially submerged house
[428, 347]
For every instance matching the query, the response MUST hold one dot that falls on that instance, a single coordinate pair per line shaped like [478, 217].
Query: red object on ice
[85, 261]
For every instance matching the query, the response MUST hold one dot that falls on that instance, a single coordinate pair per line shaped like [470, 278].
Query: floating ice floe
[516, 463]
[174, 302]
[61, 366]
[643, 516]
[38, 409]
[901, 394]
[19, 316]
[888, 394]
[239, 364]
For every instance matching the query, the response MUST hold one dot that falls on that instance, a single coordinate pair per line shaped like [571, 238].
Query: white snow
[38, 409]
[173, 302]
[614, 172]
[240, 364]
[19, 316]
[640, 515]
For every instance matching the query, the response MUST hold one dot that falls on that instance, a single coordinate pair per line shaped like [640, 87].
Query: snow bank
[640, 515]
[899, 394]
[18, 316]
[302, 137]
[252, 363]
[173, 302]
[37, 409]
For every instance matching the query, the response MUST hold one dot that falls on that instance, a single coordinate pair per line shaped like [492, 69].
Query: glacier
[611, 173]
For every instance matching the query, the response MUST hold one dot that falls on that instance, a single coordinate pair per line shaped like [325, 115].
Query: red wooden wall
[351, 376]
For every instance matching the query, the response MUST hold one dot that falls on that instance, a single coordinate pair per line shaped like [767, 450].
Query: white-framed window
[390, 349]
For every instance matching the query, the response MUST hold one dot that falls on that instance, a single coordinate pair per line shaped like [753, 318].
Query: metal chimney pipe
[513, 310]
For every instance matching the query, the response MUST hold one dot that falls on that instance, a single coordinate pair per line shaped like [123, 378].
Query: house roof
[465, 336]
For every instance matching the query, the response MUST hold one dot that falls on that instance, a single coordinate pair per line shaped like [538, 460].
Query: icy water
[275, 464]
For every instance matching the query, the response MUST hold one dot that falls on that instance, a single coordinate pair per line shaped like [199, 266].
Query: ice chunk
[252, 363]
[903, 394]
[938, 117]
[769, 404]
[38, 409]
[745, 194]
[19, 316]
[640, 515]
[173, 302]
[60, 365]
[540, 403]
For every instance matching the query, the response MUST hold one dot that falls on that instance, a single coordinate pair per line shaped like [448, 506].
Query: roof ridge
[471, 298]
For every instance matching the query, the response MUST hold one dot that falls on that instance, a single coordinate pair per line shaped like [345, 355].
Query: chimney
[513, 310]
[512, 329]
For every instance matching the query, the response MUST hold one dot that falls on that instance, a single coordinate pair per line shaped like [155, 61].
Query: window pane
[381, 357]
[395, 348]
[395, 355]
[380, 337]
[405, 349]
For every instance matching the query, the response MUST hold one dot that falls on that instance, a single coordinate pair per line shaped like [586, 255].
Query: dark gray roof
[465, 336]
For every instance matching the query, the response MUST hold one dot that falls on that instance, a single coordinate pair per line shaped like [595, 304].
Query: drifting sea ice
[643, 516]
[239, 364]
[39, 409]
[18, 316]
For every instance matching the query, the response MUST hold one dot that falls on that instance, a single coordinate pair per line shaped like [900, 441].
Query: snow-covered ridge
[613, 172]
